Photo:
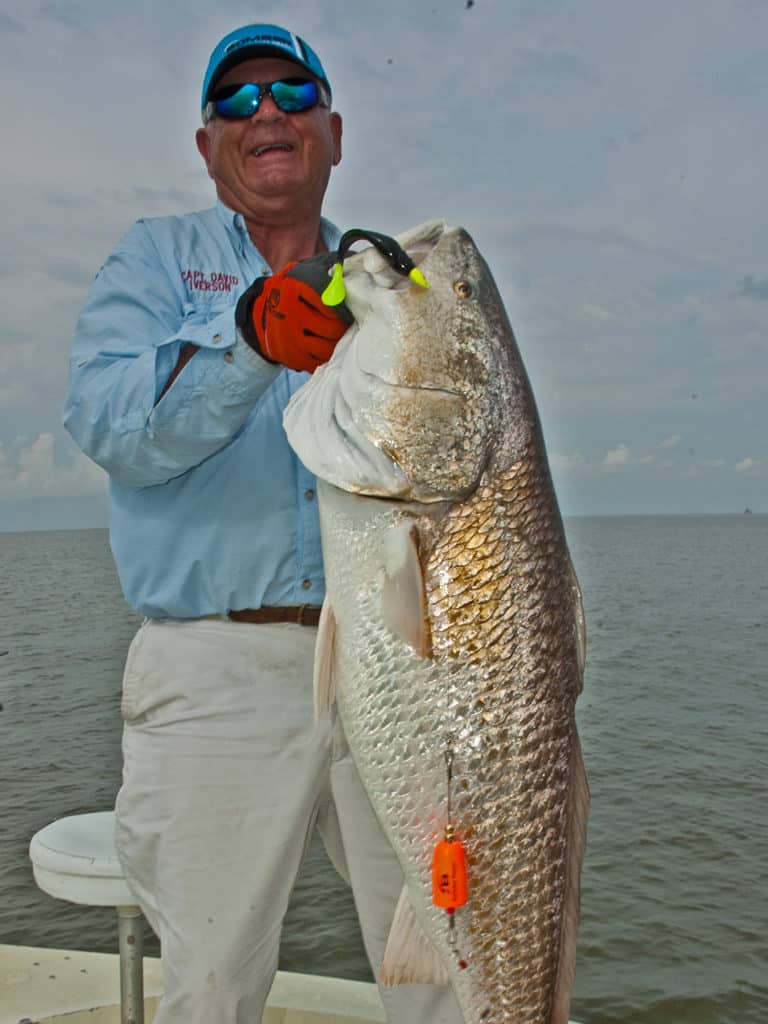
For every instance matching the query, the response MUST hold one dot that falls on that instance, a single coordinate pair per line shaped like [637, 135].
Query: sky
[609, 158]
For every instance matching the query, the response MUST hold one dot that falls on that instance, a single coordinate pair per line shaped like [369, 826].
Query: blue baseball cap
[260, 41]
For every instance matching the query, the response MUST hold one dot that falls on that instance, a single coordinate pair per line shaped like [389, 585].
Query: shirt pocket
[206, 307]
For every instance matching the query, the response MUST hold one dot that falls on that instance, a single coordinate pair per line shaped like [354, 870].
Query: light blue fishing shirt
[210, 509]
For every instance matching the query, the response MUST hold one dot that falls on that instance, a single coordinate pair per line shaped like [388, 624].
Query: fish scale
[501, 823]
[513, 833]
[455, 624]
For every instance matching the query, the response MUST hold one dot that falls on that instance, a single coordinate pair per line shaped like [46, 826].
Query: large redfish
[453, 632]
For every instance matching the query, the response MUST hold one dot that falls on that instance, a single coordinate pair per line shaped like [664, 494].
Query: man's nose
[268, 109]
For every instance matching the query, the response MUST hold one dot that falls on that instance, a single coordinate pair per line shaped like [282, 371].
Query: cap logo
[263, 40]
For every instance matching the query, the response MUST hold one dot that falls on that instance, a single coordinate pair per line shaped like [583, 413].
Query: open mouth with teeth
[271, 147]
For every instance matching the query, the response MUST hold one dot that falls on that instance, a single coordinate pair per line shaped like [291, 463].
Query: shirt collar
[230, 219]
[330, 234]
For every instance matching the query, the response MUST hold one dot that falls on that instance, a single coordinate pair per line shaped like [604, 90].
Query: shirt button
[264, 271]
[216, 339]
[309, 495]
[228, 357]
[306, 584]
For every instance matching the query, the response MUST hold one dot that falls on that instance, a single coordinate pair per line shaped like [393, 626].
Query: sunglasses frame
[265, 89]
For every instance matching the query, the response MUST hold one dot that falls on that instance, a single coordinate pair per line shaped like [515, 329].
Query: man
[190, 344]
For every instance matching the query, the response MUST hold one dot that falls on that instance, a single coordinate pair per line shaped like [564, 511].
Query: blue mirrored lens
[241, 103]
[290, 95]
[293, 94]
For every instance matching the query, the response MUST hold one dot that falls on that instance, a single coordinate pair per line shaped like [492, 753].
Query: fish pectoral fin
[578, 809]
[410, 958]
[323, 680]
[404, 596]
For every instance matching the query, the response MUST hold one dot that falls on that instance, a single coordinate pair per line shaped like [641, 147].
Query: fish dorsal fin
[410, 958]
[403, 596]
[323, 681]
[577, 810]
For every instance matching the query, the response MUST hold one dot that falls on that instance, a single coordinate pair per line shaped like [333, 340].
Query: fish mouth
[419, 243]
[424, 394]
[433, 390]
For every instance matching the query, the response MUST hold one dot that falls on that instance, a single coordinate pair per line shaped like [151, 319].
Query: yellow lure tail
[335, 293]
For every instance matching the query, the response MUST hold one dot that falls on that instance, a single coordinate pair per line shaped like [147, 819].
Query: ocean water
[674, 725]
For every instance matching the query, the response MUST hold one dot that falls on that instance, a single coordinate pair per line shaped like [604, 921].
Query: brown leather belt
[303, 614]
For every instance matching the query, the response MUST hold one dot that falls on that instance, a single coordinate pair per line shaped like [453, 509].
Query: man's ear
[203, 140]
[336, 134]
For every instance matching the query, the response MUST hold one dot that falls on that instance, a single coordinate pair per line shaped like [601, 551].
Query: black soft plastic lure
[389, 248]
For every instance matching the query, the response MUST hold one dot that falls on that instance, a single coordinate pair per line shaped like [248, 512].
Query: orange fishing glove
[283, 318]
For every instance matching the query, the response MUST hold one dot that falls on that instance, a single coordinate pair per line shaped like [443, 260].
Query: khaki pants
[225, 775]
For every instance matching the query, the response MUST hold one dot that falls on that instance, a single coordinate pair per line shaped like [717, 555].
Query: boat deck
[65, 986]
[62, 986]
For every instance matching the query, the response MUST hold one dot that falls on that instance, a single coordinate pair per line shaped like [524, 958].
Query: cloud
[752, 464]
[565, 462]
[32, 472]
[599, 313]
[671, 442]
[610, 237]
[615, 458]
[147, 196]
[705, 467]
[753, 289]
[557, 66]
[9, 24]
[620, 456]
[69, 272]
[66, 17]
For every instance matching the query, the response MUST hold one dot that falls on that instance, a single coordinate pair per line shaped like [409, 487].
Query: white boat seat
[75, 859]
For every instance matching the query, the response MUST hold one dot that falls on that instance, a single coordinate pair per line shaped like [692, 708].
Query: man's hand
[283, 318]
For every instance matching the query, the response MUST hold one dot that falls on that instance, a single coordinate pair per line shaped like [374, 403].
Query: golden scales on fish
[452, 636]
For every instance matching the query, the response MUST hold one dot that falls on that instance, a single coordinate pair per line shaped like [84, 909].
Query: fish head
[417, 398]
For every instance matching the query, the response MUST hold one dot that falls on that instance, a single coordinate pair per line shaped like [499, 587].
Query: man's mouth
[271, 147]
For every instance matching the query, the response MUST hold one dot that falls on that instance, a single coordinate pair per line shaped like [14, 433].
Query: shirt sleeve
[127, 342]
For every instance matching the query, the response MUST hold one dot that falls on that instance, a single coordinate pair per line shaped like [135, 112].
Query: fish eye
[463, 289]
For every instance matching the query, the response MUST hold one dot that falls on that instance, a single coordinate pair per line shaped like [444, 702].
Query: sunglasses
[291, 95]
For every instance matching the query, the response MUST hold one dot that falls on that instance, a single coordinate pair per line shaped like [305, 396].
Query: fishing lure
[389, 248]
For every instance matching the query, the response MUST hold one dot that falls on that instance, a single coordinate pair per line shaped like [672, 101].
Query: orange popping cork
[449, 873]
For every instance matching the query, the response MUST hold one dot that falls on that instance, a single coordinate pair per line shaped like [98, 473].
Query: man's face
[271, 158]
